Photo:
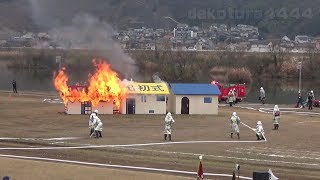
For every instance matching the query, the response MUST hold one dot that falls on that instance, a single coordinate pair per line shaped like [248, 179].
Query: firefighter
[235, 96]
[168, 122]
[276, 117]
[97, 125]
[231, 97]
[259, 131]
[312, 94]
[262, 96]
[92, 121]
[235, 121]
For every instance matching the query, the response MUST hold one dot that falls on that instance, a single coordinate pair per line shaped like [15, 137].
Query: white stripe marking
[280, 155]
[45, 139]
[224, 157]
[118, 166]
[124, 145]
[302, 122]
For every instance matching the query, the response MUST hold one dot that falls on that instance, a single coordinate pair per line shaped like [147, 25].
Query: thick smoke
[156, 78]
[83, 32]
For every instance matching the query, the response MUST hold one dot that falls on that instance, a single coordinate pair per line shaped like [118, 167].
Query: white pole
[300, 67]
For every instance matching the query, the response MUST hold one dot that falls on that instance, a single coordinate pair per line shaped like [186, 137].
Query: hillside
[273, 17]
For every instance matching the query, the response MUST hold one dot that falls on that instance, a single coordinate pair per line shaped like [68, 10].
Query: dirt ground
[28, 169]
[292, 152]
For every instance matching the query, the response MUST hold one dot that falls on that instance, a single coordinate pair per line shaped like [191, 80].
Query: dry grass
[28, 116]
[239, 75]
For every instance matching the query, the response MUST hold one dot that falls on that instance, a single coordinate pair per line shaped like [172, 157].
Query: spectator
[300, 101]
[14, 86]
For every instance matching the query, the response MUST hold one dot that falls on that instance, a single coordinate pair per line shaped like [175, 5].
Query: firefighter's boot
[258, 137]
[97, 134]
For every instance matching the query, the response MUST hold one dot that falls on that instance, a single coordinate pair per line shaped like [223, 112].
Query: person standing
[92, 121]
[235, 121]
[168, 122]
[262, 96]
[310, 100]
[259, 131]
[276, 117]
[97, 125]
[300, 101]
[231, 97]
[235, 94]
[14, 86]
[312, 94]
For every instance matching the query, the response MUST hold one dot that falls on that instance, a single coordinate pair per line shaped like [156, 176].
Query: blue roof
[194, 89]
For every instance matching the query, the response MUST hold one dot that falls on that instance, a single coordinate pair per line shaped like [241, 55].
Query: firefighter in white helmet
[259, 131]
[235, 121]
[168, 122]
[92, 122]
[98, 125]
[276, 117]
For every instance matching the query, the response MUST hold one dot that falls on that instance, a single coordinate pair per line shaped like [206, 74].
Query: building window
[161, 98]
[143, 98]
[207, 100]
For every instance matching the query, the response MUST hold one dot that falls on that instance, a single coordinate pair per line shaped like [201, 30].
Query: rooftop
[194, 89]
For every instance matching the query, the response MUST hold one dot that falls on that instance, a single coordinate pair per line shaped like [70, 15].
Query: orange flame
[104, 85]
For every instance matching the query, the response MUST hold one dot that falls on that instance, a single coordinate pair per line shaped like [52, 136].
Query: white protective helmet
[259, 123]
[261, 88]
[96, 111]
[234, 114]
[311, 91]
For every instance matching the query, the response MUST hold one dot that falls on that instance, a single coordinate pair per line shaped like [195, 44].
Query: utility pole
[300, 67]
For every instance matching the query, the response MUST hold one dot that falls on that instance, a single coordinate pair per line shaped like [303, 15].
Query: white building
[261, 47]
[302, 39]
[145, 98]
[193, 99]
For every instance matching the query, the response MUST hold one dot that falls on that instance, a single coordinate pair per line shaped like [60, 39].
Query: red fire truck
[225, 88]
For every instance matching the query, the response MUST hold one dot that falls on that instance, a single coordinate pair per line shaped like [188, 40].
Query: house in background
[145, 98]
[302, 39]
[193, 99]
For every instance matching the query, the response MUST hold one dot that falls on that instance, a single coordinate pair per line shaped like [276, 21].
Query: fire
[104, 85]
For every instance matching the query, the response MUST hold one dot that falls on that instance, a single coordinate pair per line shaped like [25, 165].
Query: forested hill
[273, 17]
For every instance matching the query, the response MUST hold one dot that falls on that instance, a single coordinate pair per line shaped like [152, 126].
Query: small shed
[76, 107]
[193, 98]
[145, 98]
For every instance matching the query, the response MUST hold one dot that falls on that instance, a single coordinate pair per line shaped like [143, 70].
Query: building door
[185, 105]
[131, 103]
[86, 107]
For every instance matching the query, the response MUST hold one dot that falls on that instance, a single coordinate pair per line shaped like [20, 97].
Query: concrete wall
[73, 108]
[171, 104]
[104, 107]
[196, 104]
[158, 107]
